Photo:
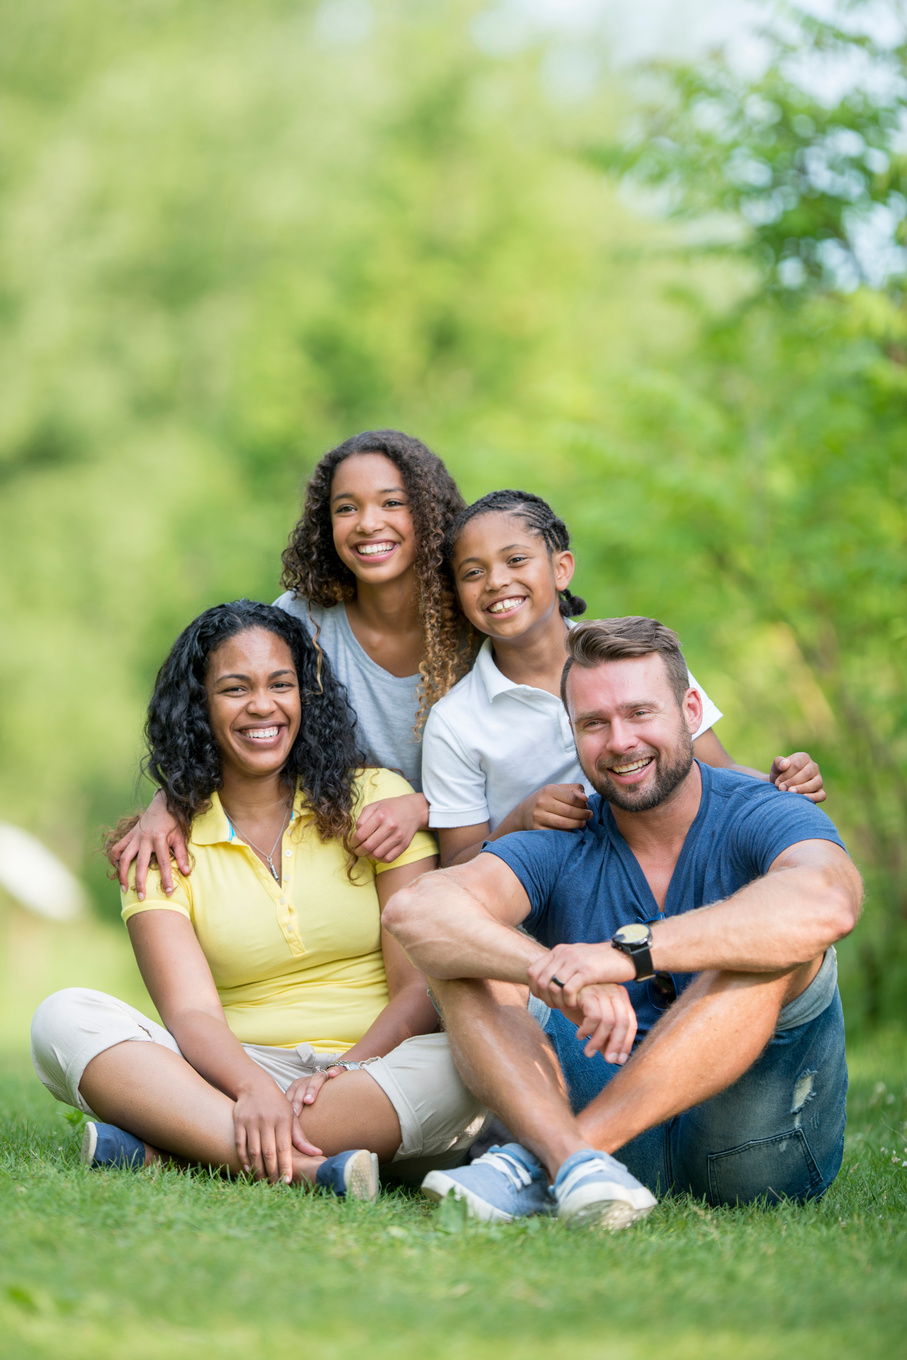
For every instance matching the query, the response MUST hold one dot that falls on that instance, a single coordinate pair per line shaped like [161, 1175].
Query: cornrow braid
[538, 518]
[313, 570]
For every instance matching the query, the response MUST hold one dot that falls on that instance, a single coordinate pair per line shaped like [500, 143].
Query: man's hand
[608, 1022]
[556, 807]
[156, 832]
[798, 773]
[386, 828]
[576, 966]
[587, 990]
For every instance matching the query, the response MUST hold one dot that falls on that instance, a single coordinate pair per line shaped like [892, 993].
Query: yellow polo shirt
[298, 961]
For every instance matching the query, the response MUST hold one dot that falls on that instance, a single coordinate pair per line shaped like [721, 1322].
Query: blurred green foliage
[794, 489]
[230, 237]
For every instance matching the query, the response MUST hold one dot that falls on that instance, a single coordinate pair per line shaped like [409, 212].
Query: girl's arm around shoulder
[797, 773]
[158, 833]
[393, 820]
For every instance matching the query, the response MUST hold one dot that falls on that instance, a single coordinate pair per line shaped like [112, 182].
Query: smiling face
[253, 704]
[371, 519]
[634, 741]
[507, 580]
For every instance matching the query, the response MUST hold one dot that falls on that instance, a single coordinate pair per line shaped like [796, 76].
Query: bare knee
[475, 994]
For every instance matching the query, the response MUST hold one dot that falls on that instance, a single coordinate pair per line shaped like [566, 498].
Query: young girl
[363, 572]
[498, 751]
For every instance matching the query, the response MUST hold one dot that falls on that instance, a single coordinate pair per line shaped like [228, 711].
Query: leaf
[453, 1215]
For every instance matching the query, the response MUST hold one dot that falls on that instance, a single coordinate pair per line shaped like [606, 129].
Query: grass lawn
[186, 1265]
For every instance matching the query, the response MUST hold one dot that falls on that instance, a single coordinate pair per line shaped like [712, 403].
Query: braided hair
[538, 518]
[313, 571]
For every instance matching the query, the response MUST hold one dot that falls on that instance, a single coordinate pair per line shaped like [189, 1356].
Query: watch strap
[641, 955]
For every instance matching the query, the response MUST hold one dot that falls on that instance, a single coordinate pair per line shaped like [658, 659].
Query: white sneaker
[595, 1190]
[504, 1184]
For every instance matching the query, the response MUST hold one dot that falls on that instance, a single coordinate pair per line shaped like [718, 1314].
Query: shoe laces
[518, 1175]
[592, 1166]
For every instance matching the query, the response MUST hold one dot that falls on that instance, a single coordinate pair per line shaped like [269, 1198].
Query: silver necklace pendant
[266, 857]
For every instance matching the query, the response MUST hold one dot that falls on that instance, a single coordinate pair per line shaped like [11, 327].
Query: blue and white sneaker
[593, 1189]
[505, 1183]
[106, 1145]
[351, 1175]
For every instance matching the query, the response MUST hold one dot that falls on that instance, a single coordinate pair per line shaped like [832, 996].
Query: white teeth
[631, 769]
[505, 606]
[374, 549]
[261, 733]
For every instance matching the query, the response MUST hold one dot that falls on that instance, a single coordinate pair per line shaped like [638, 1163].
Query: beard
[671, 769]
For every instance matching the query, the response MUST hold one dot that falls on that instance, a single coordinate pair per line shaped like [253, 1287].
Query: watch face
[637, 933]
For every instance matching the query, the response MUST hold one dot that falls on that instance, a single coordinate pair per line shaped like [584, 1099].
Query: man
[686, 878]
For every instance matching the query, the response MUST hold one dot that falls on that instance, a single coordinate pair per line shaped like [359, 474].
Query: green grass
[178, 1265]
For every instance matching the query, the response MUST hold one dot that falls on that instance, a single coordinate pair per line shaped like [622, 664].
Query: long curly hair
[313, 571]
[539, 519]
[183, 757]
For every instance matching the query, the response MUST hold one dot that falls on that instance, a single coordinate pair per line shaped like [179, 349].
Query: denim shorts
[777, 1133]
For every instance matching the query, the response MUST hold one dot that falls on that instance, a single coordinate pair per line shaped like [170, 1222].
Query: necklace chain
[269, 859]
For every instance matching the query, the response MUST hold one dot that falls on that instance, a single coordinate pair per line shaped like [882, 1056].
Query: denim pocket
[778, 1167]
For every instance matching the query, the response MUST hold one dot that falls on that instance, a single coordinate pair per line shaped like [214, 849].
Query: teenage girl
[498, 754]
[363, 572]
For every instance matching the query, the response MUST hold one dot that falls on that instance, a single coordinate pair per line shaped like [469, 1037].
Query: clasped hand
[601, 1008]
[556, 807]
[798, 773]
[267, 1130]
[386, 828]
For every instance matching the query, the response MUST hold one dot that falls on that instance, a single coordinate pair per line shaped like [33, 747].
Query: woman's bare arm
[409, 1010]
[180, 984]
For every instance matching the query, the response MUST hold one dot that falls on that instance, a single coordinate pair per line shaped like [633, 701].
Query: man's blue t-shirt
[582, 885]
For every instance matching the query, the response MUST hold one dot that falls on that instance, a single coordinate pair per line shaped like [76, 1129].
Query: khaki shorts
[439, 1118]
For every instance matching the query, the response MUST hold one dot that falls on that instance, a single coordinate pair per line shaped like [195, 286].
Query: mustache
[608, 768]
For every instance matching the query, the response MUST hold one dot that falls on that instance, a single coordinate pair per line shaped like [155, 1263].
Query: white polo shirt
[489, 743]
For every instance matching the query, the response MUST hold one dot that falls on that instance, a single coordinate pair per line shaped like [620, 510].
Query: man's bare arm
[809, 899]
[460, 922]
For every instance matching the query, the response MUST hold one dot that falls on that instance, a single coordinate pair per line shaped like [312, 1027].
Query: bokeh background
[668, 297]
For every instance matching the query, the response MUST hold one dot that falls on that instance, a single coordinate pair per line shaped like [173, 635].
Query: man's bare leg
[505, 1059]
[712, 1034]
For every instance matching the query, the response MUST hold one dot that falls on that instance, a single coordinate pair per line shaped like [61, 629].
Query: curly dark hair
[183, 757]
[313, 571]
[538, 518]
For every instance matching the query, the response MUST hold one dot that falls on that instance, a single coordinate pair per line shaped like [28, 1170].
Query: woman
[362, 572]
[269, 963]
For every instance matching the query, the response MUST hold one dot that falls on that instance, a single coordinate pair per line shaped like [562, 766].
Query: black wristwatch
[635, 940]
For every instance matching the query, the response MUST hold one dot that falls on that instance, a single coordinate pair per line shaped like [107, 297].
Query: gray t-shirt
[385, 704]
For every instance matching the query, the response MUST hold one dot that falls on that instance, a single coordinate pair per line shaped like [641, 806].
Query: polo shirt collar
[494, 680]
[213, 827]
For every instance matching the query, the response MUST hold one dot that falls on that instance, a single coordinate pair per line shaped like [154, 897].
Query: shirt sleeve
[452, 779]
[298, 606]
[155, 898]
[379, 784]
[710, 712]
[538, 859]
[772, 821]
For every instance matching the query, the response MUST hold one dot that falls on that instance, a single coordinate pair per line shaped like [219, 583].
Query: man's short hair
[595, 641]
